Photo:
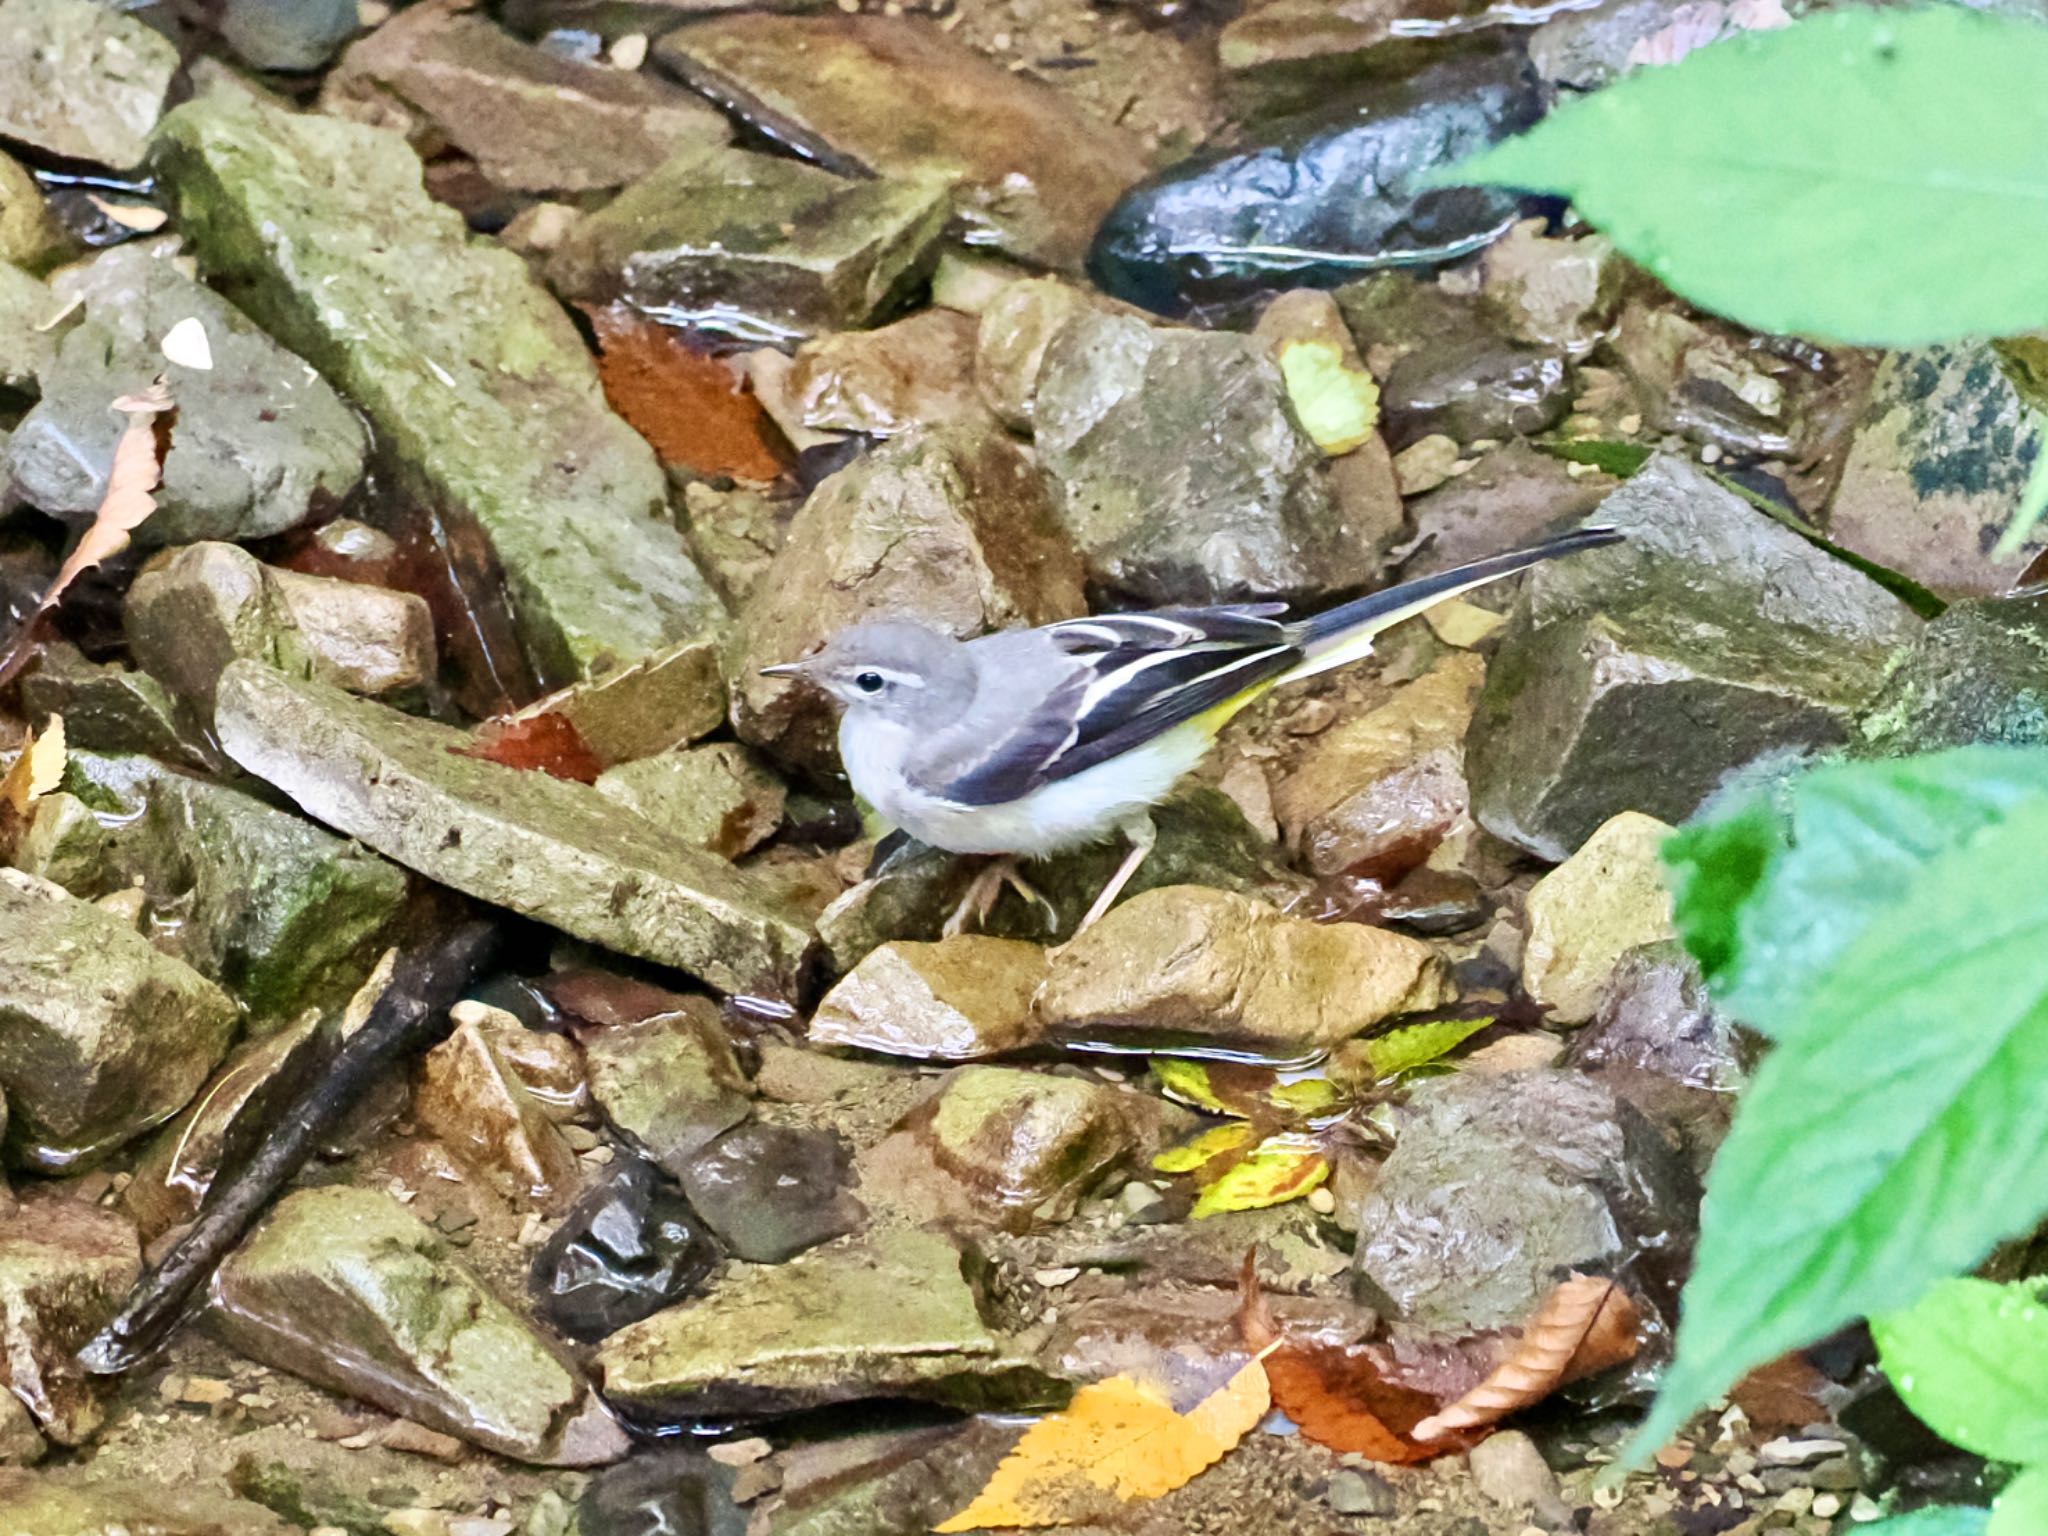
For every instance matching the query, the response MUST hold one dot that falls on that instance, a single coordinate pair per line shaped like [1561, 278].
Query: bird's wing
[1122, 679]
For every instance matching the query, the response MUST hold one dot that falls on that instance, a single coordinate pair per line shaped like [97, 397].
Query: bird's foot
[987, 889]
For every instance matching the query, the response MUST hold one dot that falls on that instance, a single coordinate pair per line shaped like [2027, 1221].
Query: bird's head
[890, 669]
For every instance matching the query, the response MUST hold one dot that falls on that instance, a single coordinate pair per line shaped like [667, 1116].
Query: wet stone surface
[771, 1191]
[631, 1246]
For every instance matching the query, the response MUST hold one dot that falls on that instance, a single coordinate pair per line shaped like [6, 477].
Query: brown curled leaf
[1340, 1397]
[1584, 1326]
[132, 479]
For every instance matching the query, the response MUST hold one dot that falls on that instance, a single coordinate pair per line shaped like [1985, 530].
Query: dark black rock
[661, 1493]
[626, 1250]
[771, 1191]
[1313, 201]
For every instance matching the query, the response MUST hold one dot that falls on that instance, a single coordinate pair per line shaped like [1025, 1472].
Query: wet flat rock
[101, 1036]
[900, 97]
[749, 242]
[958, 999]
[323, 232]
[532, 120]
[887, 1316]
[557, 851]
[39, 1506]
[348, 1289]
[1193, 962]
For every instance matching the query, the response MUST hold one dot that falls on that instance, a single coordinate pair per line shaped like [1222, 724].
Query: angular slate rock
[1979, 673]
[348, 1289]
[771, 1191]
[486, 395]
[1333, 193]
[82, 80]
[1637, 677]
[555, 850]
[902, 98]
[1499, 1186]
[628, 1248]
[753, 244]
[532, 120]
[262, 441]
[1183, 474]
[101, 1035]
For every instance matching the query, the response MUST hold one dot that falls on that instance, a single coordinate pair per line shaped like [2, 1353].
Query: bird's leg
[1142, 835]
[987, 888]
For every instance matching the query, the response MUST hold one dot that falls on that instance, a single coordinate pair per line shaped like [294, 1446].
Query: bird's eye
[868, 682]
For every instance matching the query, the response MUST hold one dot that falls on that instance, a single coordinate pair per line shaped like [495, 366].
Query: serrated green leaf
[1941, 1520]
[1893, 1136]
[1188, 1082]
[1767, 895]
[1862, 175]
[1417, 1045]
[1279, 1169]
[1971, 1359]
[1337, 402]
[1205, 1148]
[2021, 1508]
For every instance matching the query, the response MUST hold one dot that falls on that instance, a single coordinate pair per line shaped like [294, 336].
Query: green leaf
[1767, 897]
[1279, 1169]
[1203, 1148]
[1337, 402]
[1403, 1050]
[2021, 1509]
[1971, 1359]
[1940, 1520]
[1898, 949]
[1868, 176]
[1617, 459]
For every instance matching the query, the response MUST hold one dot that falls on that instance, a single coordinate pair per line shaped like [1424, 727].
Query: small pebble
[1787, 1452]
[1321, 1201]
[1353, 1492]
[737, 1453]
[404, 1435]
[1827, 1505]
[629, 52]
[1053, 1277]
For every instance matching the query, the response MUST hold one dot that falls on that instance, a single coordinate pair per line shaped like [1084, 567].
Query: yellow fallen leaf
[1337, 401]
[1207, 1147]
[1403, 1050]
[1279, 1169]
[1118, 1441]
[1305, 1096]
[1187, 1081]
[37, 770]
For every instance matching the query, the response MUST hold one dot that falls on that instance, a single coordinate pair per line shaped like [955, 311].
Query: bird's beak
[784, 669]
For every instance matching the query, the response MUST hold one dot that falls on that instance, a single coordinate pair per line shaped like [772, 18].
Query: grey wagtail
[1032, 741]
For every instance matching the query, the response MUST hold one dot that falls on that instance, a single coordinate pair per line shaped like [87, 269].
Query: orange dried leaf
[1586, 1325]
[690, 406]
[36, 770]
[1118, 1441]
[546, 742]
[1783, 1394]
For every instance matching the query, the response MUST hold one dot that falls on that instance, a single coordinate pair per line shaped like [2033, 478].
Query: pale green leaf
[2021, 1508]
[1869, 176]
[1337, 401]
[1940, 1520]
[1204, 1148]
[1893, 1136]
[1971, 1359]
[1304, 1096]
[1403, 1050]
[1279, 1169]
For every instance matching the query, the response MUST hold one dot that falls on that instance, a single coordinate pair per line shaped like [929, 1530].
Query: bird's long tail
[1345, 633]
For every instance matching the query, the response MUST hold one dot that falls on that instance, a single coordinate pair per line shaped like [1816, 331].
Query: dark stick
[411, 1009]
